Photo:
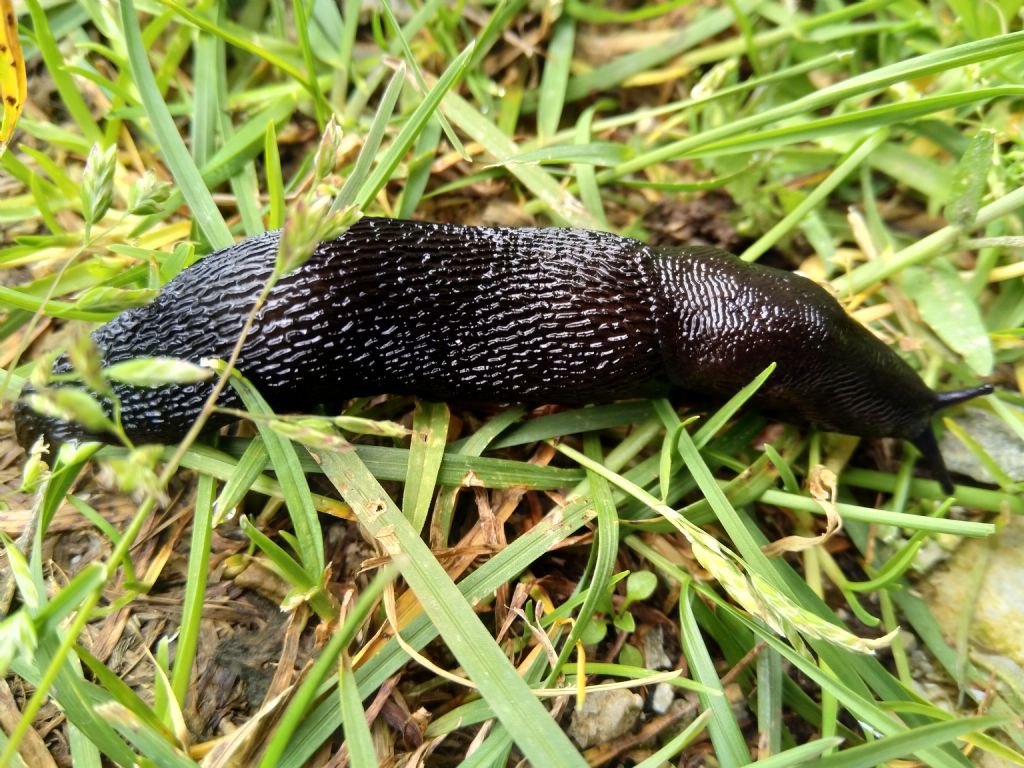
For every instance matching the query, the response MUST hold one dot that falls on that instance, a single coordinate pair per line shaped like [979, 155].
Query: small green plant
[639, 586]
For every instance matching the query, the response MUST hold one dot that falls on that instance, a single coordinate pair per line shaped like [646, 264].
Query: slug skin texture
[529, 315]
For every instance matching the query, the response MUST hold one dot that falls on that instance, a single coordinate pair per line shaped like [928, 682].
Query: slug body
[509, 315]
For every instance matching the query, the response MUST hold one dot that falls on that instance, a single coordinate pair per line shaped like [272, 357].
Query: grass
[872, 144]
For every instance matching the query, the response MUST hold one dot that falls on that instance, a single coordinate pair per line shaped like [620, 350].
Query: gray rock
[997, 618]
[1002, 444]
[605, 715]
[662, 697]
[653, 649]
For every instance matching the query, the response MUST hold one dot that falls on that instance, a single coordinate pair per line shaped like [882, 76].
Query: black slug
[512, 315]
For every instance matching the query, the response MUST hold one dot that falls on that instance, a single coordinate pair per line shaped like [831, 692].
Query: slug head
[889, 399]
[722, 321]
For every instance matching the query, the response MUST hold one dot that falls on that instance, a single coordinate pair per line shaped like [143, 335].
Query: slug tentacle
[510, 315]
[947, 399]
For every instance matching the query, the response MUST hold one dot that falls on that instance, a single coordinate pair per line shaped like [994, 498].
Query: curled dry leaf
[822, 485]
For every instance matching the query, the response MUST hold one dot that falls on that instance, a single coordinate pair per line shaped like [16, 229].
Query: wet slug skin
[450, 312]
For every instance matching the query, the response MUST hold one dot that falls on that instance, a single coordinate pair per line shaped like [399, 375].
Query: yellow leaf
[13, 83]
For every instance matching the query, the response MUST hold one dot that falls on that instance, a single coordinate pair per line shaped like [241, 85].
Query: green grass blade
[460, 469]
[730, 746]
[915, 67]
[909, 743]
[881, 516]
[357, 733]
[849, 164]
[627, 65]
[586, 180]
[121, 692]
[245, 188]
[287, 567]
[563, 207]
[866, 119]
[551, 95]
[606, 550]
[417, 72]
[10, 297]
[412, 126]
[245, 143]
[189, 180]
[542, 741]
[195, 588]
[71, 98]
[304, 697]
[677, 743]
[83, 752]
[802, 755]
[320, 105]
[357, 179]
[87, 580]
[430, 432]
[205, 97]
[250, 466]
[573, 422]
[769, 702]
[389, 464]
[238, 40]
[593, 153]
[419, 170]
[346, 41]
[293, 482]
[149, 743]
[275, 181]
[724, 511]
[710, 427]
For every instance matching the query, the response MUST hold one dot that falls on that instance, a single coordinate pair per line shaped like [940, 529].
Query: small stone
[605, 715]
[996, 606]
[653, 649]
[661, 698]
[998, 440]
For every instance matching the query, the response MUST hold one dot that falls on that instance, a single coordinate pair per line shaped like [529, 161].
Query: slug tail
[929, 448]
[946, 399]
